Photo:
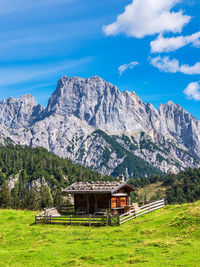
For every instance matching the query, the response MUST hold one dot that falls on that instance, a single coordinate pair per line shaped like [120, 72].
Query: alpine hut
[97, 197]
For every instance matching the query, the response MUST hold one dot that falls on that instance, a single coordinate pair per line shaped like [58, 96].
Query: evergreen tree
[45, 197]
[57, 199]
[32, 202]
[15, 197]
[24, 198]
[5, 196]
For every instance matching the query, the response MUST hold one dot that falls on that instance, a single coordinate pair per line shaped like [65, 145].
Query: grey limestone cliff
[91, 122]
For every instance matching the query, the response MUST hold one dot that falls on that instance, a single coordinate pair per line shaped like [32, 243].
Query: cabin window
[122, 201]
[113, 202]
[118, 202]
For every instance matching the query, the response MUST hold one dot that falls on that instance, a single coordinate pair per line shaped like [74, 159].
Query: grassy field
[166, 237]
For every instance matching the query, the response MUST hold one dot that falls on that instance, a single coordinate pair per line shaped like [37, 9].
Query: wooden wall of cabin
[80, 201]
[103, 201]
[124, 190]
[96, 201]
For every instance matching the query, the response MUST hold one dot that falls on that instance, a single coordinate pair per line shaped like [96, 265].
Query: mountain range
[91, 122]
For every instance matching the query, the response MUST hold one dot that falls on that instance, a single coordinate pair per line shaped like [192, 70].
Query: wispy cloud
[193, 91]
[46, 33]
[13, 6]
[162, 44]
[124, 67]
[40, 41]
[148, 17]
[13, 75]
[166, 64]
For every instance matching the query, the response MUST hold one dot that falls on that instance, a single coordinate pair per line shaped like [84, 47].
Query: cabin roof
[96, 187]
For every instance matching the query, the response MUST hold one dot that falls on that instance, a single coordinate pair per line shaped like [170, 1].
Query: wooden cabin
[97, 197]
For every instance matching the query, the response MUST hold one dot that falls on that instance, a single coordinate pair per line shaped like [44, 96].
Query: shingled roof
[96, 187]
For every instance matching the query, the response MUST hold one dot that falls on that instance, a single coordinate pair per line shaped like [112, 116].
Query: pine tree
[32, 202]
[24, 197]
[15, 197]
[57, 199]
[5, 196]
[45, 197]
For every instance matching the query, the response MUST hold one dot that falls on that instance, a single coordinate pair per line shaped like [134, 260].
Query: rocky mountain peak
[99, 103]
[28, 99]
[170, 103]
[17, 113]
[80, 97]
[96, 79]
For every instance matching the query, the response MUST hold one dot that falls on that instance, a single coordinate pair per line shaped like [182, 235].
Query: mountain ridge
[168, 138]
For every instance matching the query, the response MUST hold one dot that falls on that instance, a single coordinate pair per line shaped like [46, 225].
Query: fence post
[149, 205]
[135, 213]
[119, 220]
[90, 220]
[70, 219]
[108, 219]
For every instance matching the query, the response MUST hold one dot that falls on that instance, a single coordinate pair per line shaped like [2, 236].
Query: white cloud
[186, 69]
[193, 91]
[148, 17]
[172, 65]
[162, 44]
[165, 64]
[124, 67]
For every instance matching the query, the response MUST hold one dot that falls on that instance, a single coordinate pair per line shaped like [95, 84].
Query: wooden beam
[119, 195]
[95, 203]
[88, 204]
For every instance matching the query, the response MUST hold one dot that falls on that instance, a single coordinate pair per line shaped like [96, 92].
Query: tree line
[29, 199]
[23, 165]
[183, 187]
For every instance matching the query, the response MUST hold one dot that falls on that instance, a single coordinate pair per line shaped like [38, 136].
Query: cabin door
[91, 204]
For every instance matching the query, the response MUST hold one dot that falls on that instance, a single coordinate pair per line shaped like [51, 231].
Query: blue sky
[149, 46]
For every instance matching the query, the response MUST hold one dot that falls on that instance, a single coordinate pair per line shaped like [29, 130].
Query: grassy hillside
[167, 237]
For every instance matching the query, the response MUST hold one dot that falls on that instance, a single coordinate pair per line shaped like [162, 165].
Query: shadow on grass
[32, 224]
[141, 222]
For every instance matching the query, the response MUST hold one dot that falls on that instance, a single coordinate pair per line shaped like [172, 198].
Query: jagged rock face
[100, 104]
[182, 126]
[168, 138]
[20, 112]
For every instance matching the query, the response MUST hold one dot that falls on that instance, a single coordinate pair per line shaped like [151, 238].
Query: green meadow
[166, 237]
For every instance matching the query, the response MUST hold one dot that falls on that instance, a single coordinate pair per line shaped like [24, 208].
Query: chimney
[121, 178]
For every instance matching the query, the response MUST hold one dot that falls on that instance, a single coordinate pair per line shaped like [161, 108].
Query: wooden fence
[66, 209]
[98, 220]
[72, 219]
[144, 209]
